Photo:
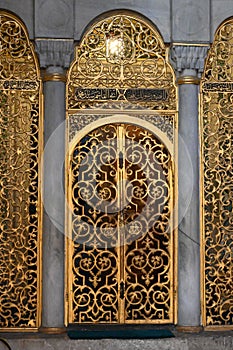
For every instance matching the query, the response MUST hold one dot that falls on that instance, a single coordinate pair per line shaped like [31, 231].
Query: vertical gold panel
[120, 246]
[148, 229]
[217, 180]
[94, 279]
[20, 137]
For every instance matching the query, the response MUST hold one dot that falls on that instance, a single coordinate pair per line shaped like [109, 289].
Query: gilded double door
[120, 250]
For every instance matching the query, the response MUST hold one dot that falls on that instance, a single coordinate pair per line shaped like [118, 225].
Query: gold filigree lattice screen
[217, 180]
[121, 139]
[20, 137]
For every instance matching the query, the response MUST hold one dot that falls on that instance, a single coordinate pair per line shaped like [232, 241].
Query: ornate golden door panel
[20, 138]
[121, 176]
[217, 195]
[121, 199]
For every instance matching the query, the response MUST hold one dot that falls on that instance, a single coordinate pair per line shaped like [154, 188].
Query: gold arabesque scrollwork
[121, 176]
[138, 62]
[217, 185]
[20, 135]
[121, 227]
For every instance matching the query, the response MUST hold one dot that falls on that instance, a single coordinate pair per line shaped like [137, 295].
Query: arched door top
[151, 124]
[121, 63]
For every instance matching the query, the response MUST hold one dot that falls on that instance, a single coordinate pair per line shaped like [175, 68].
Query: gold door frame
[21, 220]
[94, 102]
[216, 125]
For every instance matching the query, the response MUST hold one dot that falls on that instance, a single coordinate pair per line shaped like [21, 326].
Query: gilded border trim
[188, 79]
[218, 328]
[189, 329]
[54, 77]
[53, 330]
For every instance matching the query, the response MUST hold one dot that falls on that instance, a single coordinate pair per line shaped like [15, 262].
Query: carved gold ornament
[121, 63]
[20, 138]
[120, 176]
[121, 227]
[217, 180]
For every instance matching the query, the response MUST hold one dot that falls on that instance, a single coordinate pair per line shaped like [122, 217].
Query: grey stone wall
[24, 9]
[177, 20]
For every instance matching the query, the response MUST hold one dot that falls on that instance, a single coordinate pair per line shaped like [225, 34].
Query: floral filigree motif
[166, 123]
[121, 65]
[19, 178]
[121, 257]
[118, 53]
[217, 159]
